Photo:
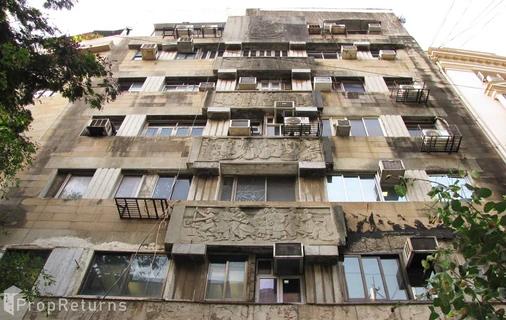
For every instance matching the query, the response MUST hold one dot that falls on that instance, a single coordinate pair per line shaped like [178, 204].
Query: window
[326, 128]
[448, 179]
[323, 54]
[74, 186]
[258, 188]
[174, 128]
[144, 277]
[30, 262]
[352, 188]
[129, 186]
[264, 53]
[164, 185]
[276, 289]
[185, 56]
[274, 85]
[226, 280]
[366, 127]
[416, 125]
[135, 87]
[137, 56]
[353, 86]
[374, 278]
[389, 194]
[131, 85]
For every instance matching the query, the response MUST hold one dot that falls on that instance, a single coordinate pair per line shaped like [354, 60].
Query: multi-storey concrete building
[247, 172]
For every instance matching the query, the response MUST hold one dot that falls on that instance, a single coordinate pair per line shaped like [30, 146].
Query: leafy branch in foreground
[33, 57]
[469, 279]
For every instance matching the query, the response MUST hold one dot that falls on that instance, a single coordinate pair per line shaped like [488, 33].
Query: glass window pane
[215, 281]
[250, 189]
[280, 189]
[326, 128]
[128, 187]
[369, 188]
[389, 194]
[357, 128]
[147, 276]
[75, 187]
[373, 127]
[30, 261]
[182, 132]
[235, 282]
[181, 189]
[166, 132]
[353, 188]
[335, 188]
[197, 131]
[267, 290]
[353, 87]
[264, 267]
[393, 279]
[104, 274]
[151, 132]
[373, 280]
[353, 278]
[163, 187]
[291, 290]
[226, 189]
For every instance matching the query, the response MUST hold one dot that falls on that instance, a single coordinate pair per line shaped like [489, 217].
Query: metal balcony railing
[141, 208]
[301, 130]
[440, 140]
[416, 93]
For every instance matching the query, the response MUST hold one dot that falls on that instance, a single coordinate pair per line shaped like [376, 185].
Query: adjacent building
[247, 171]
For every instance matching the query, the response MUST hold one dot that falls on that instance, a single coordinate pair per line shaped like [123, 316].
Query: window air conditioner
[239, 127]
[247, 83]
[374, 28]
[343, 128]
[185, 44]
[322, 83]
[417, 249]
[206, 86]
[335, 28]
[314, 29]
[295, 121]
[288, 258]
[149, 51]
[390, 171]
[284, 104]
[387, 54]
[349, 52]
[100, 127]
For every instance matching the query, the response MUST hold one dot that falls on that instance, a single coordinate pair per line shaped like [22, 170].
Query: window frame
[67, 180]
[279, 283]
[135, 83]
[233, 194]
[464, 192]
[122, 284]
[137, 56]
[365, 126]
[176, 178]
[174, 128]
[139, 187]
[377, 185]
[378, 257]
[226, 279]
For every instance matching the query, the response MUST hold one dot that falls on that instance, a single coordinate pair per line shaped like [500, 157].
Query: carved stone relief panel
[254, 225]
[253, 149]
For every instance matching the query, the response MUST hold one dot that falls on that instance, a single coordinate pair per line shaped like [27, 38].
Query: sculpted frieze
[260, 149]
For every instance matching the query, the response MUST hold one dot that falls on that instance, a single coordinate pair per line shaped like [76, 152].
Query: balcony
[410, 93]
[311, 129]
[141, 208]
[440, 140]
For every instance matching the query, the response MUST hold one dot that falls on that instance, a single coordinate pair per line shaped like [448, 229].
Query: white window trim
[365, 127]
[379, 189]
[131, 89]
[174, 128]
[279, 284]
[225, 282]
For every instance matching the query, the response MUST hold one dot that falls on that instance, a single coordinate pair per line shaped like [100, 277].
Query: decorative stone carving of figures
[306, 226]
[290, 149]
[310, 150]
[204, 223]
[240, 225]
[265, 150]
[322, 229]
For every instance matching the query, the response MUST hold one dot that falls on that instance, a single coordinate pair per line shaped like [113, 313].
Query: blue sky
[467, 24]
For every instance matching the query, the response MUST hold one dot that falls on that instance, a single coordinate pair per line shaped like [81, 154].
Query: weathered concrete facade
[179, 177]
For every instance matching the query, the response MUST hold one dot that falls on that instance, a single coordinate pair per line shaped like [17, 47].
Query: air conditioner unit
[390, 171]
[210, 29]
[149, 51]
[239, 127]
[417, 249]
[247, 83]
[295, 121]
[322, 83]
[284, 104]
[184, 30]
[434, 133]
[348, 52]
[100, 127]
[343, 128]
[206, 86]
[387, 54]
[374, 28]
[335, 28]
[314, 29]
[185, 45]
[288, 258]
